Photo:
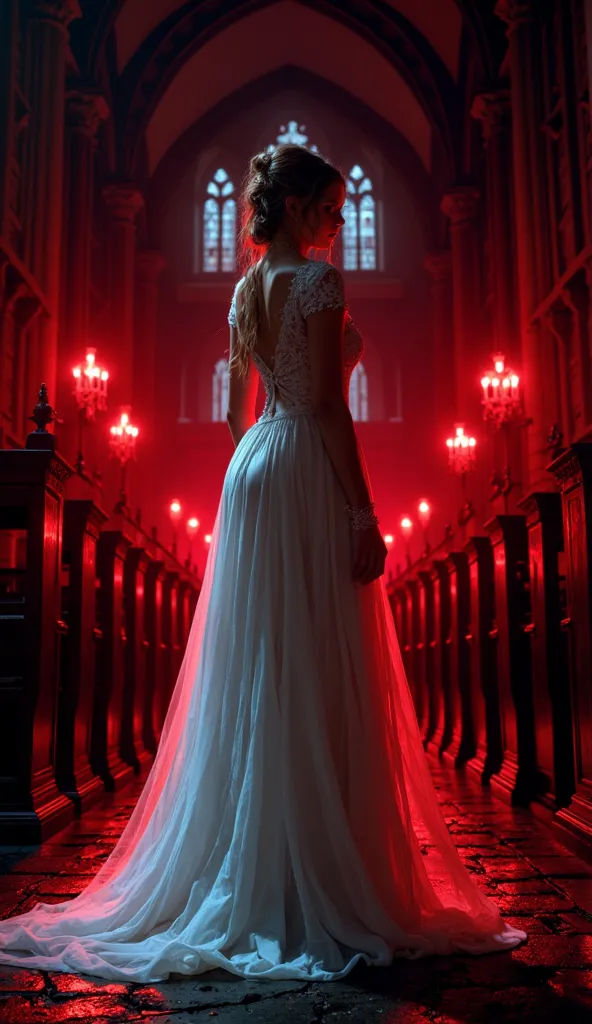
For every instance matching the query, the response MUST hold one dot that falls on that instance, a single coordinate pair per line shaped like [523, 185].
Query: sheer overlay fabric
[289, 827]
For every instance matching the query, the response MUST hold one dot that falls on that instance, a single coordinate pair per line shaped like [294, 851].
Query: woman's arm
[325, 341]
[242, 395]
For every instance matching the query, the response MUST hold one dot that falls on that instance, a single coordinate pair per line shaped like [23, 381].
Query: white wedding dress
[289, 827]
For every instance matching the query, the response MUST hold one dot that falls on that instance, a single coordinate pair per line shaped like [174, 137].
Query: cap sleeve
[232, 310]
[325, 291]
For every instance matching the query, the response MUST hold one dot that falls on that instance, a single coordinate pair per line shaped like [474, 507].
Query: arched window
[359, 230]
[358, 394]
[220, 391]
[219, 225]
[292, 133]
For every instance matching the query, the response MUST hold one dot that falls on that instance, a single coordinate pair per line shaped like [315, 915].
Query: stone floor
[537, 883]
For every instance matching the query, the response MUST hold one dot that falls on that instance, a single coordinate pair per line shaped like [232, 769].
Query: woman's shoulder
[321, 288]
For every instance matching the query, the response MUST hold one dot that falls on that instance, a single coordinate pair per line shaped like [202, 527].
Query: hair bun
[261, 163]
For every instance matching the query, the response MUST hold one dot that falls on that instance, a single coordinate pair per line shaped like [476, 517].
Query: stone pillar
[149, 266]
[588, 17]
[48, 47]
[530, 204]
[439, 266]
[493, 110]
[460, 206]
[85, 111]
[123, 202]
[8, 52]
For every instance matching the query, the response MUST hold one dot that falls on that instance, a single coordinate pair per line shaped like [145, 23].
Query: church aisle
[538, 884]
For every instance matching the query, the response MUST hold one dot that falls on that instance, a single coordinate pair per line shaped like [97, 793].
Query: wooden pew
[444, 734]
[462, 747]
[32, 484]
[518, 775]
[82, 523]
[484, 692]
[427, 673]
[111, 757]
[573, 474]
[551, 682]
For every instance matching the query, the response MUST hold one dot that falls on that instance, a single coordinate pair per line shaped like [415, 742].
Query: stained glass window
[358, 394]
[219, 225]
[359, 230]
[220, 391]
[293, 133]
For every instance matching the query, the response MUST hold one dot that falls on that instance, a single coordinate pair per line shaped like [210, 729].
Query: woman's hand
[369, 554]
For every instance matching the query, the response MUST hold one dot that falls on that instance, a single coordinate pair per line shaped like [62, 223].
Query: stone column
[48, 47]
[85, 111]
[530, 202]
[439, 266]
[123, 202]
[149, 267]
[460, 206]
[8, 47]
[493, 110]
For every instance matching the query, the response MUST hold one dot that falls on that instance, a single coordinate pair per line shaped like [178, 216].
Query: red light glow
[90, 388]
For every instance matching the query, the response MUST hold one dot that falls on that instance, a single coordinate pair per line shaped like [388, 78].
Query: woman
[289, 827]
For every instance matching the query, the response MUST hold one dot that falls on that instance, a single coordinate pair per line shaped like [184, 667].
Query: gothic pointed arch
[169, 46]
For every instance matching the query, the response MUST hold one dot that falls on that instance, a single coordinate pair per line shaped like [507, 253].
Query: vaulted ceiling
[279, 35]
[440, 21]
[174, 61]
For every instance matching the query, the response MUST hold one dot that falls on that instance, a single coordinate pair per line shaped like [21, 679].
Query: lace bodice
[315, 286]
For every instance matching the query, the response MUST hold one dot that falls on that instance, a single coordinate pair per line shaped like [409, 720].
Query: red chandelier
[461, 450]
[122, 443]
[90, 385]
[501, 393]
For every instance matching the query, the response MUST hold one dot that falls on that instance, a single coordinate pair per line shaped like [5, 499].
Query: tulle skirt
[289, 827]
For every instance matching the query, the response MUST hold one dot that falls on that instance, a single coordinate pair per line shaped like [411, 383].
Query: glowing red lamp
[501, 399]
[424, 511]
[175, 509]
[406, 525]
[90, 385]
[388, 539]
[461, 450]
[90, 392]
[208, 538]
[122, 442]
[192, 526]
[123, 439]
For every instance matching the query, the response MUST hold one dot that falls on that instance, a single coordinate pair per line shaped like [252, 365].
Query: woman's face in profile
[324, 220]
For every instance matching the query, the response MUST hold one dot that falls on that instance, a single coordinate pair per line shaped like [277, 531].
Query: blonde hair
[271, 178]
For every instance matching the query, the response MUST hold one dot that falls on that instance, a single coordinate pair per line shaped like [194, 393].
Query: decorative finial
[43, 415]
